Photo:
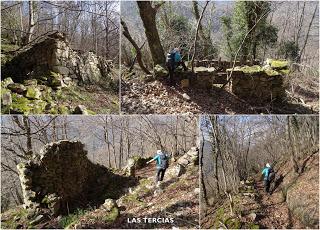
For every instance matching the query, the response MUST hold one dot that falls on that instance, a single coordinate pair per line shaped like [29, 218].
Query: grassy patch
[71, 218]
[14, 218]
[112, 215]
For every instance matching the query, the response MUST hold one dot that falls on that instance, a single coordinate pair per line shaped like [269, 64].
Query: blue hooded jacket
[266, 172]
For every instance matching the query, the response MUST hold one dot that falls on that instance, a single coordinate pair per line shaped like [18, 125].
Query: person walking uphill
[173, 61]
[268, 175]
[162, 163]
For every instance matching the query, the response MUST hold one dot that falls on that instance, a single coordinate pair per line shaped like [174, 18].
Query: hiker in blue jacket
[161, 165]
[174, 59]
[267, 173]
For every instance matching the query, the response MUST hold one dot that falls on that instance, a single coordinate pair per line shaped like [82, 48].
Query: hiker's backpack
[271, 175]
[164, 161]
[170, 59]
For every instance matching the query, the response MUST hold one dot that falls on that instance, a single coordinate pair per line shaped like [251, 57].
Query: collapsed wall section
[63, 178]
[52, 53]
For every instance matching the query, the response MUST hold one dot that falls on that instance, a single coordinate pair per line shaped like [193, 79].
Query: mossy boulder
[33, 92]
[160, 71]
[279, 64]
[30, 82]
[17, 88]
[6, 82]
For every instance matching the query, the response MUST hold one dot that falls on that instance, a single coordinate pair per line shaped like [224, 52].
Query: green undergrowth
[71, 218]
[14, 218]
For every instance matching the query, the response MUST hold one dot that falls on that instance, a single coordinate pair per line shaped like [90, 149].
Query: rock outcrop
[52, 53]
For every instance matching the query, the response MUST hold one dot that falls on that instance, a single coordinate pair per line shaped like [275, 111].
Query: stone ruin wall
[258, 87]
[53, 54]
[62, 178]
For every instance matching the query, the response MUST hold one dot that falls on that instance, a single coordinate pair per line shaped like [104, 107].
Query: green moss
[132, 198]
[112, 215]
[90, 112]
[15, 217]
[284, 71]
[38, 107]
[4, 91]
[20, 104]
[62, 109]
[66, 221]
[253, 226]
[33, 92]
[8, 47]
[279, 64]
[252, 69]
[271, 72]
[233, 223]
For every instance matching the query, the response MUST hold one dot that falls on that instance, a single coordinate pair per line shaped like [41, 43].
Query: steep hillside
[292, 204]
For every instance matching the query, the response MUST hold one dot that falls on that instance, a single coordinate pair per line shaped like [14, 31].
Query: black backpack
[164, 161]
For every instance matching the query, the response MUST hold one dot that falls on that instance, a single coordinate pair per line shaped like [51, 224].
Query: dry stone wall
[62, 178]
[53, 54]
[258, 84]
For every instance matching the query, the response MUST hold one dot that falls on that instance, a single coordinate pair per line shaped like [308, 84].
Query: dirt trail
[274, 212]
[147, 171]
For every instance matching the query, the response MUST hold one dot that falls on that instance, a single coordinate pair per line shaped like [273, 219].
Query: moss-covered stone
[160, 72]
[29, 82]
[271, 72]
[284, 71]
[6, 82]
[62, 109]
[20, 104]
[17, 88]
[279, 64]
[33, 92]
[112, 215]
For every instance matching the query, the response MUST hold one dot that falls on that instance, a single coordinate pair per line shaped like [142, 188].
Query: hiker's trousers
[266, 185]
[160, 174]
[171, 71]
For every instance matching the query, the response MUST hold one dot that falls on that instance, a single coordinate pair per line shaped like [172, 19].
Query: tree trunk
[31, 23]
[148, 17]
[136, 47]
[196, 36]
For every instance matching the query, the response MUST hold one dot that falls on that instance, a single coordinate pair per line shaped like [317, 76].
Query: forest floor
[274, 212]
[145, 96]
[93, 97]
